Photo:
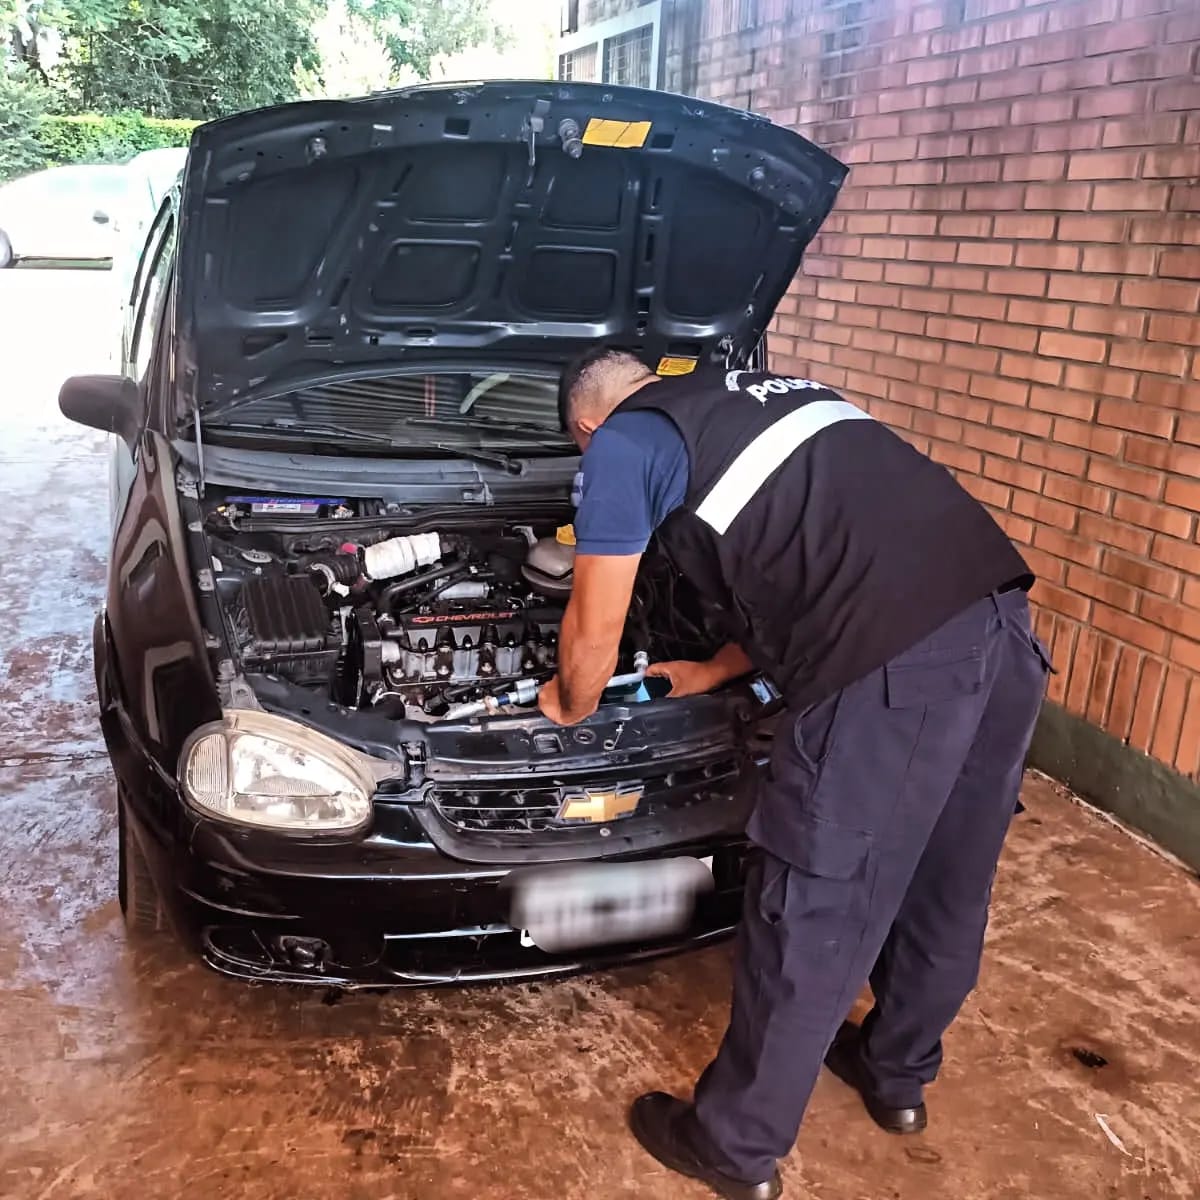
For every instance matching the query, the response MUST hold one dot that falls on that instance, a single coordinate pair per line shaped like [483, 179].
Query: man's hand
[695, 678]
[687, 678]
[550, 702]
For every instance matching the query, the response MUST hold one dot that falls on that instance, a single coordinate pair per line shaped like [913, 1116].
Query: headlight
[262, 770]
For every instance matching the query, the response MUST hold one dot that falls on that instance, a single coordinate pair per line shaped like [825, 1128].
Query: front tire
[7, 257]
[140, 904]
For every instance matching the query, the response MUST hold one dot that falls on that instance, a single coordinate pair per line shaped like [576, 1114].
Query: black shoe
[845, 1061]
[659, 1122]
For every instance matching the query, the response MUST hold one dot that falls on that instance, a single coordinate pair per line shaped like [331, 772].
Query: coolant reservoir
[550, 563]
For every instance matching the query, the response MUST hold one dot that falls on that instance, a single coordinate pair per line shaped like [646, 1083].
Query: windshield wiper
[491, 458]
[280, 426]
[488, 424]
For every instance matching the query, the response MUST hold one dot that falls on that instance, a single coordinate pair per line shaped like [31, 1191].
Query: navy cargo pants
[881, 824]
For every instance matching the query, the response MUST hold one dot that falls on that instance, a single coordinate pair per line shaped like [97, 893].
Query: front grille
[508, 808]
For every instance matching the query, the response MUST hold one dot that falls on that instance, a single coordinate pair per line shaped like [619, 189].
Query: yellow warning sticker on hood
[676, 366]
[629, 135]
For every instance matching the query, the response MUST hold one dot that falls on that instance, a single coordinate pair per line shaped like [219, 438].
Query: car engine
[326, 594]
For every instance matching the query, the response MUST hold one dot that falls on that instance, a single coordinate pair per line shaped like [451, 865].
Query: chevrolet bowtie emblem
[595, 806]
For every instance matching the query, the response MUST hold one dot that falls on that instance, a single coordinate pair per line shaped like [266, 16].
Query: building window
[628, 57]
[579, 65]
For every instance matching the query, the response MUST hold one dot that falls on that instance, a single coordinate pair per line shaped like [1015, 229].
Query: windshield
[502, 409]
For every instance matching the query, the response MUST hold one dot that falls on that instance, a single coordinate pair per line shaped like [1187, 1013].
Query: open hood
[497, 220]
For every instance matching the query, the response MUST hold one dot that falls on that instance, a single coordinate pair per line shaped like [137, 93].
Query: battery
[297, 506]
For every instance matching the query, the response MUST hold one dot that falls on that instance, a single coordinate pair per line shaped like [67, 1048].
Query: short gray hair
[592, 371]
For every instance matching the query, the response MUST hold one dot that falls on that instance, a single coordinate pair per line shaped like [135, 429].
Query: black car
[342, 544]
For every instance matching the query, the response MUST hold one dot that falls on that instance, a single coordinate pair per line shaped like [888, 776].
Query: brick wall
[1012, 280]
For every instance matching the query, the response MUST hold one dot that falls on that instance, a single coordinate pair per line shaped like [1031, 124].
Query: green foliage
[108, 138]
[23, 103]
[418, 31]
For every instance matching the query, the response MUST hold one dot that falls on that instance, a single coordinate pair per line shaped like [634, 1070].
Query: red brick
[1049, 256]
[1161, 294]
[1122, 35]
[993, 441]
[862, 270]
[1102, 674]
[1067, 546]
[1063, 403]
[1183, 555]
[930, 70]
[1180, 330]
[920, 173]
[899, 321]
[1024, 225]
[1023, 167]
[1147, 484]
[1180, 264]
[1100, 587]
[1160, 63]
[1143, 131]
[1099, 380]
[950, 145]
[923, 349]
[959, 279]
[979, 116]
[932, 250]
[1169, 723]
[1068, 197]
[1091, 228]
[947, 380]
[1072, 76]
[1044, 511]
[1157, 357]
[1007, 337]
[1129, 197]
[971, 358]
[951, 330]
[1002, 142]
[1017, 283]
[1179, 163]
[1183, 493]
[1171, 521]
[1015, 474]
[1066, 460]
[1021, 420]
[1114, 533]
[1136, 417]
[1001, 391]
[981, 306]
[893, 149]
[1174, 229]
[1189, 430]
[986, 254]
[923, 300]
[1167, 393]
[1123, 260]
[1074, 136]
[986, 491]
[954, 225]
[1070, 604]
[1039, 312]
[1118, 322]
[1108, 164]
[1043, 110]
[913, 225]
[936, 426]
[1187, 756]
[1177, 95]
[1127, 628]
[1087, 289]
[1184, 199]
[993, 197]
[973, 170]
[1023, 366]
[1078, 493]
[1053, 48]
[1146, 706]
[1124, 689]
[1072, 346]
[1088, 436]
[1141, 575]
[1114, 102]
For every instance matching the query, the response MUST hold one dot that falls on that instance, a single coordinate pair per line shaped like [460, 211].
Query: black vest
[829, 542]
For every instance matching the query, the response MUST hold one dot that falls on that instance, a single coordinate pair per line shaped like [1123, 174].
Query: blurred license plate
[564, 908]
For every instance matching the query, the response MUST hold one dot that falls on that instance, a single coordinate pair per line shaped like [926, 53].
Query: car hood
[525, 219]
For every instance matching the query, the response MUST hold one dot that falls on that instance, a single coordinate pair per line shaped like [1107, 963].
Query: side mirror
[111, 403]
[100, 217]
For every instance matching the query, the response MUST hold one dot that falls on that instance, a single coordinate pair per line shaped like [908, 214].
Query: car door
[142, 307]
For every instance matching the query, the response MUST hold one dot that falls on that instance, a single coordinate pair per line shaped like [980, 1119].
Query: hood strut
[199, 450]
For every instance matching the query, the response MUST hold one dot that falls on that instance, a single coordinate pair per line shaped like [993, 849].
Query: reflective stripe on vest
[766, 454]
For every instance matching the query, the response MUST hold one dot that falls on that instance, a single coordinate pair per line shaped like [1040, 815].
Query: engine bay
[422, 615]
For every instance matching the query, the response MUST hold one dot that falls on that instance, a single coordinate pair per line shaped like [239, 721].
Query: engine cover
[464, 645]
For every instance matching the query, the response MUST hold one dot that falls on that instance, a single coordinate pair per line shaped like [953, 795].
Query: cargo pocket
[820, 892]
[934, 677]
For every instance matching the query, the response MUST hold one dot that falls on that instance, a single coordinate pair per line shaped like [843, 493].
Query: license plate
[573, 906]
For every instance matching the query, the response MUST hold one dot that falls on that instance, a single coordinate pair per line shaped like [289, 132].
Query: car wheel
[6, 251]
[140, 905]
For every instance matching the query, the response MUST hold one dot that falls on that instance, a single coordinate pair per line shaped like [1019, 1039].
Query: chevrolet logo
[595, 806]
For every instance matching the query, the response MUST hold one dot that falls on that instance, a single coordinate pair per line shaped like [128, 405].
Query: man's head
[594, 385]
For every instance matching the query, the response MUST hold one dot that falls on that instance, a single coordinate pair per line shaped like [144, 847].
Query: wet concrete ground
[133, 1071]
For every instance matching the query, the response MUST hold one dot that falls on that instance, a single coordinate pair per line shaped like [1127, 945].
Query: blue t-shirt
[634, 474]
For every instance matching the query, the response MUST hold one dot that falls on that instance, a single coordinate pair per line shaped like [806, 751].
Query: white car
[83, 212]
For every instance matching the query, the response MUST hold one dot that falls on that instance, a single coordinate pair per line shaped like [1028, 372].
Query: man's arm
[695, 678]
[590, 635]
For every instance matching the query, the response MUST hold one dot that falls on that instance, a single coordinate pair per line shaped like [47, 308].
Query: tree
[352, 57]
[23, 103]
[418, 31]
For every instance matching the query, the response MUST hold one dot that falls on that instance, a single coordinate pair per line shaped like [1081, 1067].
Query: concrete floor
[132, 1071]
